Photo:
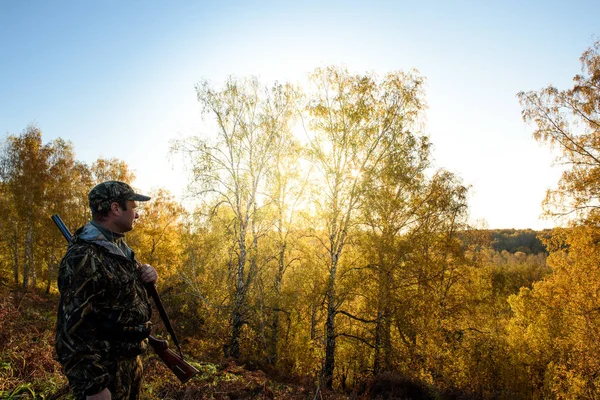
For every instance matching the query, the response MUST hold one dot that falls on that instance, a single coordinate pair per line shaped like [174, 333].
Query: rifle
[181, 368]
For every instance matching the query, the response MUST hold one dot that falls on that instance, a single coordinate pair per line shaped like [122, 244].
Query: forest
[335, 263]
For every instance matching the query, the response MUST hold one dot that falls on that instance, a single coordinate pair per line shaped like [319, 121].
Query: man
[104, 313]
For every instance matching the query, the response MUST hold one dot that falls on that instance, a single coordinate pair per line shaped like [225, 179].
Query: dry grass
[29, 370]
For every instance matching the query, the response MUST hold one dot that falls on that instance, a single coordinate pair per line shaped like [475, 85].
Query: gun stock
[176, 364]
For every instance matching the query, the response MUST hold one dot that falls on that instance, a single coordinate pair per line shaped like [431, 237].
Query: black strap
[151, 289]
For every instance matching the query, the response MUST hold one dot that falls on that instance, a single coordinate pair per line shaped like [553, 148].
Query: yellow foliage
[556, 326]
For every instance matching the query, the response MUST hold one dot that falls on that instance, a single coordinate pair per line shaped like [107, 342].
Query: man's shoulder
[80, 250]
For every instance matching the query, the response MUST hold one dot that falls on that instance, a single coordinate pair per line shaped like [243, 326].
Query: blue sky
[117, 78]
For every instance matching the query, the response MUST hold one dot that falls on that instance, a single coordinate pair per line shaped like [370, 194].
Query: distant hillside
[513, 240]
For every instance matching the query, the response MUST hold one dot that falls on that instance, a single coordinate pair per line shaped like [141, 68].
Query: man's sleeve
[80, 283]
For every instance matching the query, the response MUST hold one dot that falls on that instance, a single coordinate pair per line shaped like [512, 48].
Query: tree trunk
[273, 352]
[237, 318]
[27, 262]
[15, 251]
[51, 268]
[330, 342]
[236, 330]
[330, 338]
[381, 361]
[378, 357]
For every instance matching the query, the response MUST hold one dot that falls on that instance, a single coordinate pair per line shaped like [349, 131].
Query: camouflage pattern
[104, 194]
[124, 382]
[101, 297]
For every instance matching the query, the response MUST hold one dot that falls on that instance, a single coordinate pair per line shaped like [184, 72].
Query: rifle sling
[151, 289]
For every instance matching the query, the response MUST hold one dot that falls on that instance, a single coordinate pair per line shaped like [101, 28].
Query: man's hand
[147, 273]
[103, 395]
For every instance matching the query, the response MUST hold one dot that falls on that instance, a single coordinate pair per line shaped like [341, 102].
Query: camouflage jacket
[101, 294]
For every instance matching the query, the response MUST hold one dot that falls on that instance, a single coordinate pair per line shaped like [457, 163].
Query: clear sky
[117, 78]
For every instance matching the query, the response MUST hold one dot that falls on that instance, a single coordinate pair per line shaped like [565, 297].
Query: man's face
[124, 218]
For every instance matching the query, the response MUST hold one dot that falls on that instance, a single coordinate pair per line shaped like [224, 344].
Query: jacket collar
[90, 233]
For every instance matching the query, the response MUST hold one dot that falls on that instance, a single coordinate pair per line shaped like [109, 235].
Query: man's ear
[114, 207]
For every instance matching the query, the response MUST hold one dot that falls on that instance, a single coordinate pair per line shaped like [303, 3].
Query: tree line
[326, 244]
[527, 241]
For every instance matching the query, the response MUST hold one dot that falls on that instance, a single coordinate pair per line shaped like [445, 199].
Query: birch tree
[355, 120]
[228, 169]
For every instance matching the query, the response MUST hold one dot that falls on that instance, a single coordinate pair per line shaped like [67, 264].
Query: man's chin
[126, 229]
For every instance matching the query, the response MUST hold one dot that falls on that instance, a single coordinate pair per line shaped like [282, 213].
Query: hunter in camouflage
[104, 313]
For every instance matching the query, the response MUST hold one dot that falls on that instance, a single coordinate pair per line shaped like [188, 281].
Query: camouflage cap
[104, 194]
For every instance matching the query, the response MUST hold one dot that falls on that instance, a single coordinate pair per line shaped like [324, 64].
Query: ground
[29, 370]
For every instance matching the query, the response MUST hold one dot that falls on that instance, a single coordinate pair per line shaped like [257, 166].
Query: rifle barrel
[62, 227]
